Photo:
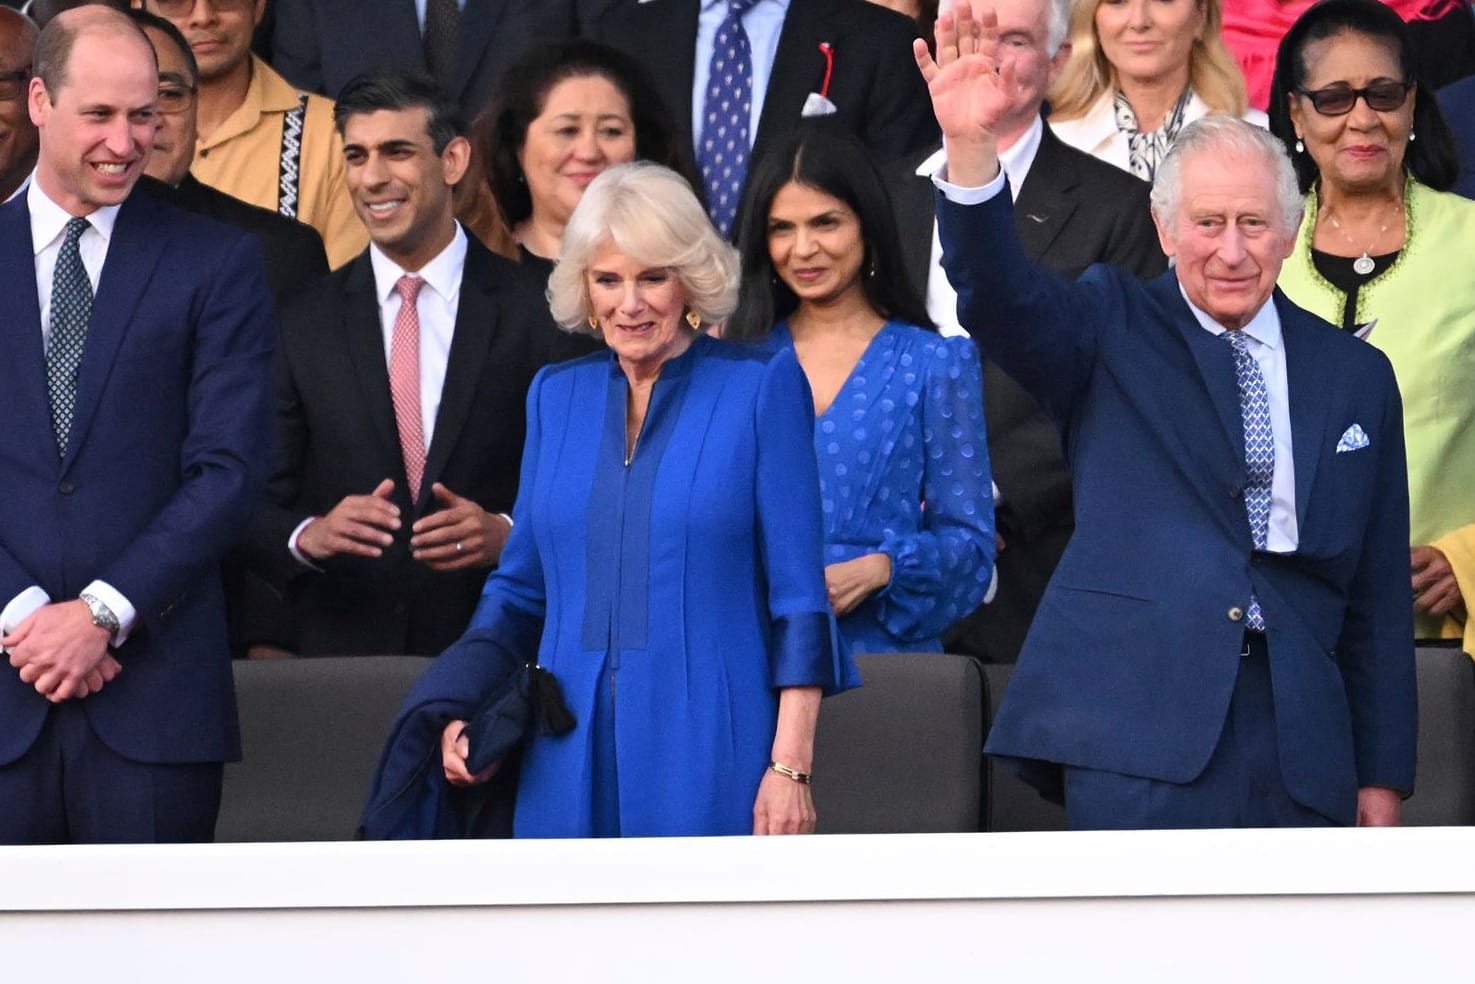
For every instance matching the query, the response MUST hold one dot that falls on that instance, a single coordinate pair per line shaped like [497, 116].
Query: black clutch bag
[526, 699]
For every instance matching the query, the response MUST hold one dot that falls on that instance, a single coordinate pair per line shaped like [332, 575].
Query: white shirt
[1267, 347]
[1096, 131]
[763, 22]
[48, 227]
[439, 298]
[942, 299]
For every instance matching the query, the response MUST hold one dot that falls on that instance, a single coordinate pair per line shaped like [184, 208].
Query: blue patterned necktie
[722, 152]
[1254, 410]
[71, 309]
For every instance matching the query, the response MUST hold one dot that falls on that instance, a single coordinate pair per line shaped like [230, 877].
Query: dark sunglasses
[1384, 96]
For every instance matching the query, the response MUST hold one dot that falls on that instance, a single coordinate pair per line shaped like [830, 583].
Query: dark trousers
[1242, 785]
[71, 788]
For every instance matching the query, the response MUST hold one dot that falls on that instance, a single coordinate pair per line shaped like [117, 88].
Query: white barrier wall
[1238, 906]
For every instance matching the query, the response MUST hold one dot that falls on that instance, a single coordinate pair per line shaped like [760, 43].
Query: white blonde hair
[649, 213]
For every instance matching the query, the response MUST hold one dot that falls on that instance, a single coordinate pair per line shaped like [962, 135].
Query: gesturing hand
[970, 89]
[362, 525]
[463, 534]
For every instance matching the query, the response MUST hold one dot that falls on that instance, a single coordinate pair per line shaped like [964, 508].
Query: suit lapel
[471, 342]
[915, 211]
[798, 68]
[668, 26]
[1312, 378]
[1046, 200]
[1214, 360]
[479, 20]
[133, 253]
[362, 336]
[24, 368]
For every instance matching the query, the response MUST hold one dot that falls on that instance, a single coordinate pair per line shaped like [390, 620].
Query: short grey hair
[1057, 25]
[650, 214]
[1226, 134]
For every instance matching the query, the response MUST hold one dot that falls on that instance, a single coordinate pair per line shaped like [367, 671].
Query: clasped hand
[60, 652]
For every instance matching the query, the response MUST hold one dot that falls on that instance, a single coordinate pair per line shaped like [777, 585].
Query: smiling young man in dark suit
[137, 375]
[400, 397]
[1227, 640]
[1071, 211]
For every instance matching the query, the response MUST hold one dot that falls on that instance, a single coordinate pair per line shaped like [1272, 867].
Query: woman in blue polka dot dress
[899, 434]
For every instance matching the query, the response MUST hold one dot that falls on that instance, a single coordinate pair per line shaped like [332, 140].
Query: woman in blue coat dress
[901, 445]
[665, 558]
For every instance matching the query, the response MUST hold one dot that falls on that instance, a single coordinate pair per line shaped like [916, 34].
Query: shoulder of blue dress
[932, 345]
[756, 352]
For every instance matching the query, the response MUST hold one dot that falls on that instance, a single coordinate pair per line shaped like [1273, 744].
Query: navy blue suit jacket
[166, 456]
[1132, 657]
[1457, 103]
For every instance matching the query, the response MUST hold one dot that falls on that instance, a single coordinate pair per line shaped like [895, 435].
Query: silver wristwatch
[102, 615]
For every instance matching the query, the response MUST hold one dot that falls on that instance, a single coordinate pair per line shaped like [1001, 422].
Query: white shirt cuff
[121, 607]
[508, 517]
[297, 554]
[968, 196]
[21, 607]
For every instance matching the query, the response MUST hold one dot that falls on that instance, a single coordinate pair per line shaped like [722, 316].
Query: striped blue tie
[722, 152]
[1254, 410]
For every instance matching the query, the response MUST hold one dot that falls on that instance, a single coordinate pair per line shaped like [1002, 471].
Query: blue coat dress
[903, 470]
[671, 596]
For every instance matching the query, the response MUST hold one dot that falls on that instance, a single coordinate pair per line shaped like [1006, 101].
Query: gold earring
[593, 321]
[694, 319]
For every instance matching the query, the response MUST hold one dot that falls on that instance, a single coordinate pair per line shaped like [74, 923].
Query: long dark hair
[1432, 158]
[522, 93]
[835, 162]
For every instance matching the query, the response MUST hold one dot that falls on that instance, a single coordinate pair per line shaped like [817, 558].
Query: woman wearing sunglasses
[1384, 252]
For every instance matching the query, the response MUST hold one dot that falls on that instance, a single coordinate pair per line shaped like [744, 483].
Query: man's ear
[1057, 65]
[1165, 236]
[37, 101]
[455, 159]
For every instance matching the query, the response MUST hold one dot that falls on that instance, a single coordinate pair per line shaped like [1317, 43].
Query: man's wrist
[102, 616]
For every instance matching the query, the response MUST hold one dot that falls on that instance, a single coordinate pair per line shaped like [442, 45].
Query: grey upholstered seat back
[901, 754]
[1444, 791]
[311, 734]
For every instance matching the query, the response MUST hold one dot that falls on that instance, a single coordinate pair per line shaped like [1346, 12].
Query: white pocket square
[817, 105]
[1352, 438]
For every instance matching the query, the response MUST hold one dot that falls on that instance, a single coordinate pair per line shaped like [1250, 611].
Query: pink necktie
[404, 381]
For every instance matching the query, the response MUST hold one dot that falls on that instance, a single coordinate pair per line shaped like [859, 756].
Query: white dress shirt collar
[1263, 328]
[49, 220]
[442, 274]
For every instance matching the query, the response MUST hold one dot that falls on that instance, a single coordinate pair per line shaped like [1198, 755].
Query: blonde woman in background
[1139, 71]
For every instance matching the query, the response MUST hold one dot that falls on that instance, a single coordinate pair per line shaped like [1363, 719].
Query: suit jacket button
[66, 488]
[1235, 614]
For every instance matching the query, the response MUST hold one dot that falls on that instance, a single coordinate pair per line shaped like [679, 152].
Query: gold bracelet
[802, 778]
